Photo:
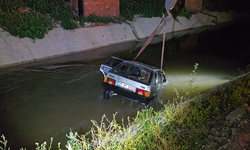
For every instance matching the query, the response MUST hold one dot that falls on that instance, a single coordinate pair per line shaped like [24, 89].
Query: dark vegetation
[34, 18]
[149, 8]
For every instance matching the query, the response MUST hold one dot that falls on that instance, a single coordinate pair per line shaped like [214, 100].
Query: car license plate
[126, 86]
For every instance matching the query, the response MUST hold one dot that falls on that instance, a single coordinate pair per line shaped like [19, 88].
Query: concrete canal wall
[14, 50]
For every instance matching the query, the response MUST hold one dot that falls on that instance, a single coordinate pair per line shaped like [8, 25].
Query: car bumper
[127, 94]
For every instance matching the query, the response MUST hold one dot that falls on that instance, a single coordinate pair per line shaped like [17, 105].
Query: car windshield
[134, 72]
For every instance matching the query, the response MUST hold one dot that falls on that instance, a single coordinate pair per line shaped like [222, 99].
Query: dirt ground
[240, 137]
[242, 140]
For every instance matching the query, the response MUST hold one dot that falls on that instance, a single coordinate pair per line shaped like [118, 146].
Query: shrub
[25, 24]
[34, 18]
[149, 8]
[145, 8]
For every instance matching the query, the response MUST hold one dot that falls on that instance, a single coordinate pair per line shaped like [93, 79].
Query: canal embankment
[58, 42]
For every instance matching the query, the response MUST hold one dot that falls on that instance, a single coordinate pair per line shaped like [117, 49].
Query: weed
[96, 19]
[145, 8]
[43, 146]
[192, 89]
[68, 24]
[148, 9]
[4, 142]
[182, 12]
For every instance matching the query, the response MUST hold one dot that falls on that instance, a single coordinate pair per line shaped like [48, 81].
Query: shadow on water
[51, 97]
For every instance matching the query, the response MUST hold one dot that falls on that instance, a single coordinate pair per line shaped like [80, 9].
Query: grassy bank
[196, 123]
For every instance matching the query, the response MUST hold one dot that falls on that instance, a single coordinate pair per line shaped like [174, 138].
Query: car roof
[142, 64]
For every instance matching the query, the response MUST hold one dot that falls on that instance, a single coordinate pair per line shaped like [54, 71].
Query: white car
[132, 80]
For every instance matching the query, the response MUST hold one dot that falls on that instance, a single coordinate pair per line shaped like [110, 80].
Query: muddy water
[49, 98]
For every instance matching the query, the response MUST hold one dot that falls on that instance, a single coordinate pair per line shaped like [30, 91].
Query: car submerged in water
[132, 80]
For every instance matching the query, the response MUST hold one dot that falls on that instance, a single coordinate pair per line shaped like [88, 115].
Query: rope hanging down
[148, 41]
[169, 4]
[164, 35]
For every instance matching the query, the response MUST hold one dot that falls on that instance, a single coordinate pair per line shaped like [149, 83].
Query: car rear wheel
[106, 94]
[150, 102]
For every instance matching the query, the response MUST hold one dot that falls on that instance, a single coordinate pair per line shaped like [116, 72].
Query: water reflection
[48, 98]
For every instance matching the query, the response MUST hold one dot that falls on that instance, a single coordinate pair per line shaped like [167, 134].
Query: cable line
[169, 4]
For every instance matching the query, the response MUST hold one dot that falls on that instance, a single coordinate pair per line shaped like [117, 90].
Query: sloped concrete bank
[58, 42]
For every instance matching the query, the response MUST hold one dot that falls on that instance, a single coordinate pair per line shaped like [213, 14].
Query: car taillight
[142, 92]
[109, 81]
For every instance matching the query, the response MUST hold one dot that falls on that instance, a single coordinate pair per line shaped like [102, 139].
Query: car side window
[155, 78]
[158, 78]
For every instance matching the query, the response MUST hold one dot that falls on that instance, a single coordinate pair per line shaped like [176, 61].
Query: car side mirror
[164, 78]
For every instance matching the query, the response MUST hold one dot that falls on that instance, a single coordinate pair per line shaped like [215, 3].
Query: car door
[158, 83]
[109, 64]
[164, 79]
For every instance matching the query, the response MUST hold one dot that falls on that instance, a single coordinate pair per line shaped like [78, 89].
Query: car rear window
[134, 72]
